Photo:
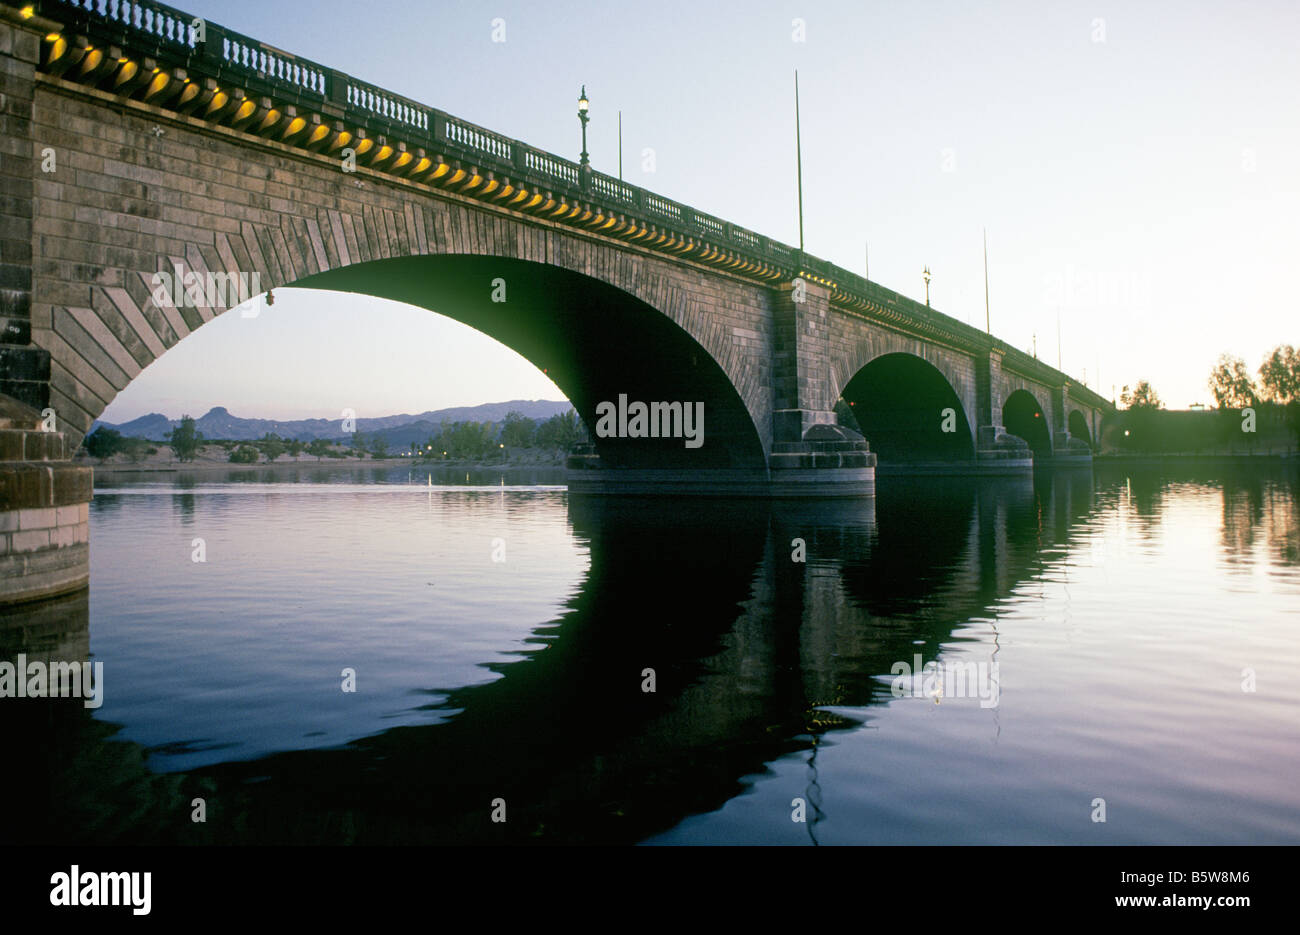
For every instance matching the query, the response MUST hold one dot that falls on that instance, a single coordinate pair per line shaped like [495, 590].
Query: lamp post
[926, 276]
[583, 104]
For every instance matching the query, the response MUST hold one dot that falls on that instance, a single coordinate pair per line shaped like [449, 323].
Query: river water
[1117, 645]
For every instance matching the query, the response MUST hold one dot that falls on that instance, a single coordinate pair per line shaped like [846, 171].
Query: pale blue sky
[1147, 185]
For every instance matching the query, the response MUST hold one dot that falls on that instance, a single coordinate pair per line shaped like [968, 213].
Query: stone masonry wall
[134, 192]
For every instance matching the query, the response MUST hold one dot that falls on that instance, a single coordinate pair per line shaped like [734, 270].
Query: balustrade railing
[551, 166]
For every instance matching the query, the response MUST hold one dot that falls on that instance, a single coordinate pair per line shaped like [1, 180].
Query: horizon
[393, 415]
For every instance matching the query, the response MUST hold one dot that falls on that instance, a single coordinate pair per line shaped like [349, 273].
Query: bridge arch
[252, 208]
[597, 342]
[909, 411]
[1078, 427]
[1023, 416]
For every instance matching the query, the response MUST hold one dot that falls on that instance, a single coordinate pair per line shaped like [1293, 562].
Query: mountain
[396, 430]
[154, 425]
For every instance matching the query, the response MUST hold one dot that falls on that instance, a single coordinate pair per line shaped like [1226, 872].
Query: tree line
[458, 440]
[1278, 383]
[478, 440]
[1270, 399]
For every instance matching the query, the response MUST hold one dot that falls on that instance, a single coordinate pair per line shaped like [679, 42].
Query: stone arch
[1023, 416]
[257, 210]
[1078, 427]
[909, 411]
[595, 341]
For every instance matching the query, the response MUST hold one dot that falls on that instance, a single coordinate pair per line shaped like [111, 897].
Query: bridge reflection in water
[748, 648]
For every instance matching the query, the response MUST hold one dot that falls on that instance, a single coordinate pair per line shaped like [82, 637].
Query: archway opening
[1078, 426]
[596, 342]
[908, 412]
[1023, 417]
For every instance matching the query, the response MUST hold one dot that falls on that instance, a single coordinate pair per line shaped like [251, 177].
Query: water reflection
[755, 656]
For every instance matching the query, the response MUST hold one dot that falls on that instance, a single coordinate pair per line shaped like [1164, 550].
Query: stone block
[29, 541]
[37, 518]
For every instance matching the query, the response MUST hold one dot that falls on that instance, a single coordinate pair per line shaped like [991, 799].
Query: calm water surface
[499, 636]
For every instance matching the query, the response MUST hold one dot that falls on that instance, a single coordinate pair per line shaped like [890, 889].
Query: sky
[1136, 167]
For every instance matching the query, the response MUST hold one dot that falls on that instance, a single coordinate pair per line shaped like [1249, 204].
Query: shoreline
[1158, 460]
[177, 467]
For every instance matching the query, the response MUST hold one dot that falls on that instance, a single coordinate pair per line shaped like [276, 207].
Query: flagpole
[987, 329]
[798, 156]
[1058, 338]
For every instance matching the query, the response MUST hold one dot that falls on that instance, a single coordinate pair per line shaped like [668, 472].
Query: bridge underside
[661, 414]
[917, 424]
[596, 342]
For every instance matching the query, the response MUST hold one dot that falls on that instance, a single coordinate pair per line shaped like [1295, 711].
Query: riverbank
[1195, 460]
[164, 463]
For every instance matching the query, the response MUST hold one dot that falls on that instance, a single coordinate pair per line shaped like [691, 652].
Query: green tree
[561, 431]
[1231, 384]
[295, 447]
[468, 440]
[318, 447]
[518, 431]
[1279, 375]
[185, 439]
[244, 454]
[378, 447]
[272, 446]
[359, 444]
[103, 443]
[1141, 396]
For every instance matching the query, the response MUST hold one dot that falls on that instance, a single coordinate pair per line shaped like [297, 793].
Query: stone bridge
[143, 147]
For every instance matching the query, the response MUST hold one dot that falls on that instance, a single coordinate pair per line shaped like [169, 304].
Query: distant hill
[396, 430]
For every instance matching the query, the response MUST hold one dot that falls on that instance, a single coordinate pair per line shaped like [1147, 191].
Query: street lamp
[926, 276]
[583, 103]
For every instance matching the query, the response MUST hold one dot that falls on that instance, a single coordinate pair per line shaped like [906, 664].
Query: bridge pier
[44, 498]
[809, 456]
[996, 450]
[1067, 451]
[44, 509]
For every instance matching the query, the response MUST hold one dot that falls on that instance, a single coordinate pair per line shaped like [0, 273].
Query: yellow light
[50, 37]
[27, 12]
